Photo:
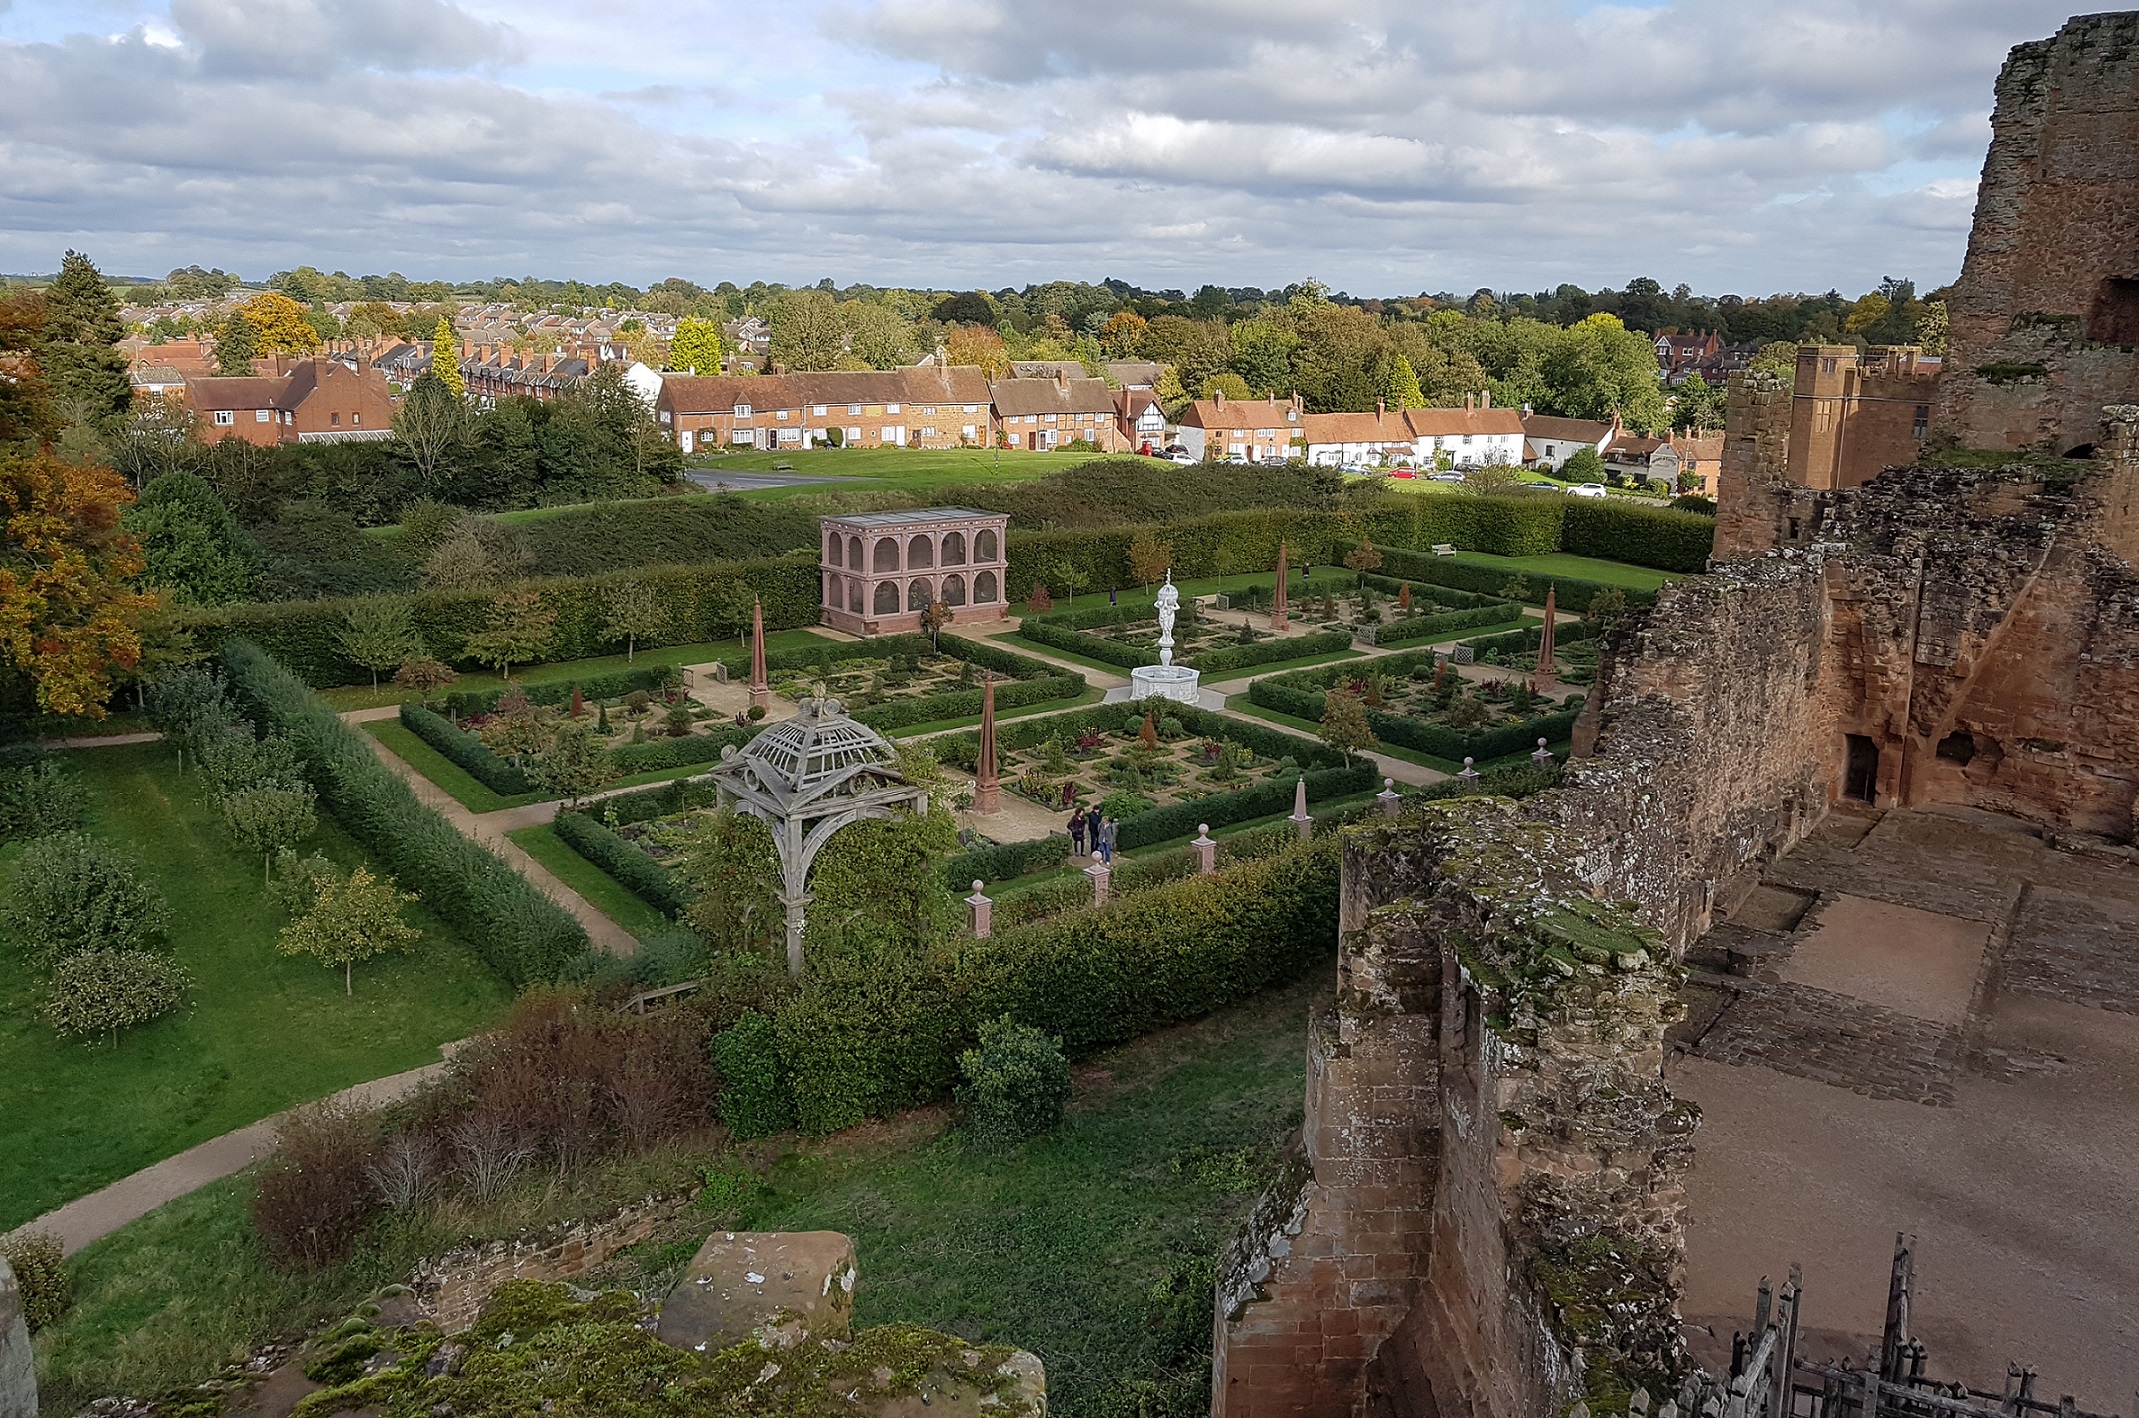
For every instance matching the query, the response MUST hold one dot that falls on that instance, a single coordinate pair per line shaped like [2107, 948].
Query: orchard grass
[1167, 1143]
[1540, 569]
[602, 891]
[363, 696]
[261, 1030]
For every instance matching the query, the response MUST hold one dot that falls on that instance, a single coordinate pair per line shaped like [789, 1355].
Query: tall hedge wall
[708, 601]
[518, 931]
[1617, 530]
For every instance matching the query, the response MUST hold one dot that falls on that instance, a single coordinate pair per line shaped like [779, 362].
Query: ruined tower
[2045, 317]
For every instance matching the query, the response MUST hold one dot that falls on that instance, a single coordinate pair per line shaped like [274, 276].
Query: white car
[1588, 490]
[1183, 459]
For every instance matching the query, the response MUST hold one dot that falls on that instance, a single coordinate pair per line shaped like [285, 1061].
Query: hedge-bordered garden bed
[1301, 695]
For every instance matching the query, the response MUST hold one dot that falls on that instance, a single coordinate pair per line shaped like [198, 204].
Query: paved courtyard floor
[1925, 1022]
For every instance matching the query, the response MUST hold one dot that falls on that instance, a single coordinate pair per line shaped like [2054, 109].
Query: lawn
[603, 891]
[465, 790]
[1057, 1246]
[1582, 568]
[263, 1030]
[363, 696]
[900, 469]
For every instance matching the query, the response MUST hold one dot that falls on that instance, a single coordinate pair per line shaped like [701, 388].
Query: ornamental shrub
[315, 1199]
[38, 798]
[1016, 1086]
[41, 1275]
[75, 893]
[640, 874]
[1001, 863]
[96, 993]
[755, 1097]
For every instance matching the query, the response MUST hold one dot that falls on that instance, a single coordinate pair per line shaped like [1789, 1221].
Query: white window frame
[781, 416]
[891, 408]
[263, 415]
[972, 408]
[742, 411]
[226, 418]
[854, 410]
[818, 411]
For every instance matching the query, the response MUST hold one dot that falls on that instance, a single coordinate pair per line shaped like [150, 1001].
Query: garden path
[100, 740]
[97, 1215]
[490, 828]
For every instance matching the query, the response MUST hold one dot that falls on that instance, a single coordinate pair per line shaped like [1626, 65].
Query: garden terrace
[1127, 635]
[1572, 593]
[1416, 701]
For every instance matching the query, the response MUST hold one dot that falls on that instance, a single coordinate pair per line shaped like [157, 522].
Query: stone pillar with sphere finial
[1206, 851]
[1279, 620]
[987, 772]
[1387, 799]
[1299, 818]
[760, 686]
[1097, 873]
[1543, 756]
[983, 912]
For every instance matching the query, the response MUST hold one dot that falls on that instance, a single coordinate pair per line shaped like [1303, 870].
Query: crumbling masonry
[1484, 1213]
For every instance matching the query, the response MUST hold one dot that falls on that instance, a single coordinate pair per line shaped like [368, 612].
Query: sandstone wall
[450, 1289]
[2056, 232]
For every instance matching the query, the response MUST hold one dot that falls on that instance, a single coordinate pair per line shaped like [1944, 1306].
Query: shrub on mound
[1017, 1083]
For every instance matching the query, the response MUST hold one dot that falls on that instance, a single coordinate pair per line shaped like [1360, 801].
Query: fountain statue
[1165, 680]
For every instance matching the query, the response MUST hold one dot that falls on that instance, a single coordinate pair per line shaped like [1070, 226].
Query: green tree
[269, 818]
[159, 438]
[1584, 466]
[432, 427]
[574, 763]
[1599, 368]
[1779, 358]
[1149, 558]
[193, 546]
[235, 347]
[1695, 406]
[878, 887]
[519, 631]
[934, 617]
[72, 892]
[1228, 383]
[807, 333]
[877, 336]
[697, 347]
[1074, 578]
[1344, 722]
[445, 358]
[1017, 1084]
[730, 864]
[80, 355]
[633, 612]
[184, 702]
[280, 324]
[425, 675]
[1402, 389]
[96, 993]
[379, 635]
[353, 919]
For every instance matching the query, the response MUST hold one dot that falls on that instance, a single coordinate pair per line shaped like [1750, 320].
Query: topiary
[1016, 1084]
[41, 1275]
[755, 1100]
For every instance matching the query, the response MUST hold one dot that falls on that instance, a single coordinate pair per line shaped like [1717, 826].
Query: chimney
[1219, 395]
[1062, 380]
[467, 347]
[1485, 400]
[1467, 403]
[1381, 409]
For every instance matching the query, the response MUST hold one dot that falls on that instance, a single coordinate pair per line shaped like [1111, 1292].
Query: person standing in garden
[1076, 831]
[1108, 827]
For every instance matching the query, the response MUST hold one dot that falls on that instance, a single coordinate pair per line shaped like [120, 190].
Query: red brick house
[316, 401]
[924, 407]
[1046, 413]
[1140, 419]
[1257, 430]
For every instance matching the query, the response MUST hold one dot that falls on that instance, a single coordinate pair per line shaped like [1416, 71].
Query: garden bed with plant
[1419, 702]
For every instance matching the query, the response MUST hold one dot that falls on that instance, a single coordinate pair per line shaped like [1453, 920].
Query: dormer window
[742, 411]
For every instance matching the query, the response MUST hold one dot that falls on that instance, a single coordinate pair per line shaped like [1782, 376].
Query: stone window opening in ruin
[1958, 747]
[2114, 317]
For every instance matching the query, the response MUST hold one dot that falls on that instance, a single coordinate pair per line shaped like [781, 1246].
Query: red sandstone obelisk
[1545, 667]
[1278, 619]
[760, 687]
[987, 782]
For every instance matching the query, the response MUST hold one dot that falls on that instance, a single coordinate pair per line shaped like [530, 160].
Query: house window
[263, 415]
[355, 419]
[891, 408]
[1051, 418]
[854, 435]
[968, 431]
[1466, 440]
[929, 410]
[781, 416]
[972, 408]
[818, 411]
[928, 433]
[742, 411]
[1923, 421]
[853, 409]
[225, 417]
[334, 420]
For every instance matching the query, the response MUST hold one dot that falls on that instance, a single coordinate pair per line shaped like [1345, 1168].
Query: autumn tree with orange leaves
[68, 616]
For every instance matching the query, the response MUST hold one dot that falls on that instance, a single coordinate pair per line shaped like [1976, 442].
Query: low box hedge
[1532, 636]
[1005, 860]
[644, 804]
[640, 874]
[1436, 627]
[1270, 652]
[1064, 632]
[466, 752]
[462, 703]
[519, 932]
[964, 703]
[656, 754]
[1301, 695]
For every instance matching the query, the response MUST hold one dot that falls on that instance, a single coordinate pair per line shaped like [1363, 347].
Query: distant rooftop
[910, 515]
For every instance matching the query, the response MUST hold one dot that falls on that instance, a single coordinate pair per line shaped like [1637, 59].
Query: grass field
[603, 891]
[1057, 1246]
[1584, 568]
[262, 1031]
[363, 696]
[895, 469]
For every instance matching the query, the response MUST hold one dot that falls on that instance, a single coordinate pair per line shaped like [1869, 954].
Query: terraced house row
[927, 406]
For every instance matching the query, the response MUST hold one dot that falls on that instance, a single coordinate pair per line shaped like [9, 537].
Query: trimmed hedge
[705, 602]
[1005, 860]
[1531, 636]
[1435, 627]
[1270, 652]
[462, 703]
[1065, 632]
[657, 754]
[467, 752]
[643, 804]
[1301, 695]
[518, 931]
[964, 703]
[1031, 681]
[1574, 592]
[638, 873]
[1616, 530]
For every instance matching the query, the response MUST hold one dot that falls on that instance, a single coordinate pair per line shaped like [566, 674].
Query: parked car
[1183, 457]
[1588, 490]
[1446, 475]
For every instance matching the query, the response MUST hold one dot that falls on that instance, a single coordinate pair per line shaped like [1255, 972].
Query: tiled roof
[236, 393]
[1241, 413]
[1444, 423]
[1016, 398]
[1390, 427]
[1565, 430]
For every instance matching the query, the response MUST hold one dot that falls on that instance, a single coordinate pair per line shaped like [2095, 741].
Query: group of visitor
[1095, 828]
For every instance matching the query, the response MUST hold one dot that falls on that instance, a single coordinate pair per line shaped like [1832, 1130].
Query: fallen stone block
[777, 1287]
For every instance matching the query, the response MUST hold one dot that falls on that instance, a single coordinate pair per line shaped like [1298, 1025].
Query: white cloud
[1386, 145]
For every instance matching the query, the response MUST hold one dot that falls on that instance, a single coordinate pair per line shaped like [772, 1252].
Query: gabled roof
[1241, 413]
[1563, 430]
[236, 392]
[1387, 427]
[1446, 423]
[1135, 373]
[1017, 398]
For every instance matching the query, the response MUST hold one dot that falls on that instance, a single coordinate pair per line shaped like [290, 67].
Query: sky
[1385, 147]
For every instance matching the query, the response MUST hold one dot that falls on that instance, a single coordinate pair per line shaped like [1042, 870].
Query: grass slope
[263, 1030]
[1055, 1246]
[1583, 568]
[603, 891]
[891, 469]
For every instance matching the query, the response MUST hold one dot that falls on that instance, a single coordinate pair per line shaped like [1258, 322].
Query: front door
[1860, 778]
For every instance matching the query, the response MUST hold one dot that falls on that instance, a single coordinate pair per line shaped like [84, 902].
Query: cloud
[1385, 145]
